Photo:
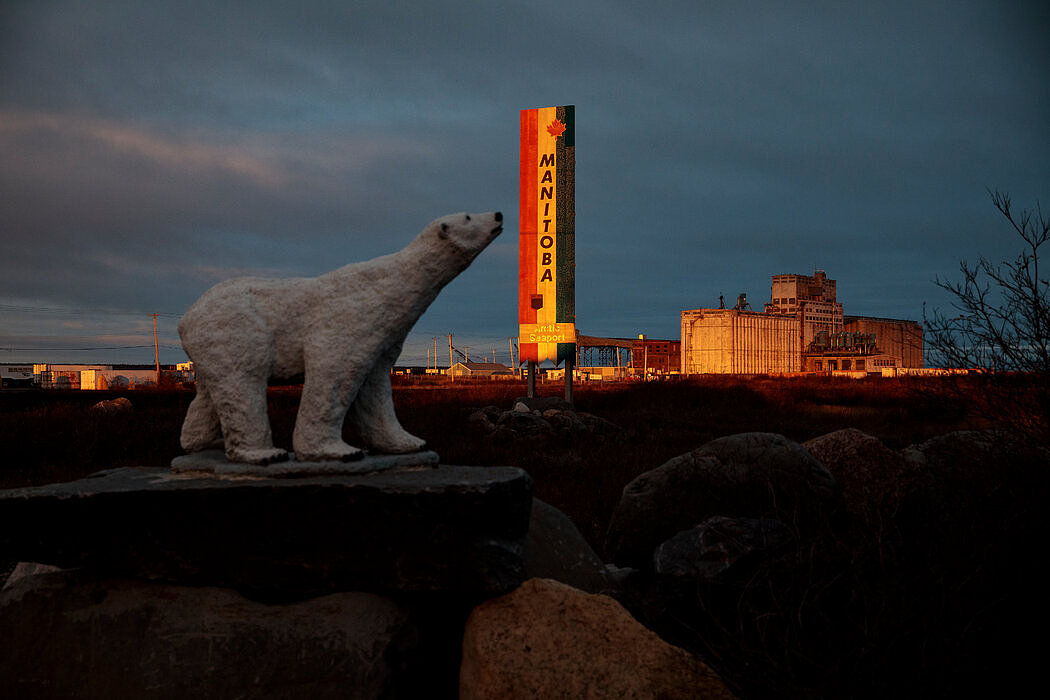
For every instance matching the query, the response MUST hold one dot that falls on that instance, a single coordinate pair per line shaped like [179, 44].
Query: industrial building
[731, 341]
[846, 352]
[895, 337]
[811, 299]
[803, 329]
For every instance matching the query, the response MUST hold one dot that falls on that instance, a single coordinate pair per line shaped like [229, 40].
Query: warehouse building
[803, 328]
[731, 341]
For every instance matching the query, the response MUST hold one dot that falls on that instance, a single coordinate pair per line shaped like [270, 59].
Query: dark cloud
[151, 149]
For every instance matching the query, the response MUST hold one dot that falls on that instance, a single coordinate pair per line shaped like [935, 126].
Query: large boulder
[24, 569]
[117, 406]
[717, 546]
[555, 549]
[873, 477]
[968, 454]
[549, 640]
[972, 480]
[66, 635]
[753, 475]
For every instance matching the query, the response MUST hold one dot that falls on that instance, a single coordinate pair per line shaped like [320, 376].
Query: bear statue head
[467, 234]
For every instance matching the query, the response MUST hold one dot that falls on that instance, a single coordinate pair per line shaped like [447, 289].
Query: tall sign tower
[547, 240]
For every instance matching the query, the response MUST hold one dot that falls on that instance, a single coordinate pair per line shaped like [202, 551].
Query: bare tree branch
[1001, 312]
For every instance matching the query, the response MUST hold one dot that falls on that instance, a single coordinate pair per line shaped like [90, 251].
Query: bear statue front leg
[245, 422]
[328, 390]
[373, 413]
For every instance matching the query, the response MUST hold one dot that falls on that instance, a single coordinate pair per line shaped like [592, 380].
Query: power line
[110, 347]
[71, 311]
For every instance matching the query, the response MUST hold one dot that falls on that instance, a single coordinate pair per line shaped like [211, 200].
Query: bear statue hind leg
[373, 414]
[201, 429]
[241, 407]
[333, 451]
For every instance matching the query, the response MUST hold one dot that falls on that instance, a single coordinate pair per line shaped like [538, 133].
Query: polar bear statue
[341, 332]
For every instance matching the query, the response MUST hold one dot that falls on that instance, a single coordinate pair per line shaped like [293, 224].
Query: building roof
[741, 312]
[850, 317]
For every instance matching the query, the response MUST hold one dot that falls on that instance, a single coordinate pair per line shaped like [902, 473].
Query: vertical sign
[547, 235]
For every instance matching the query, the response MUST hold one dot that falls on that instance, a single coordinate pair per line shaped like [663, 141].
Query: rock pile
[750, 475]
[542, 416]
[726, 539]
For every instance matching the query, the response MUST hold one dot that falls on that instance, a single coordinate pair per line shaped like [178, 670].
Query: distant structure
[803, 329]
[91, 376]
[620, 358]
[652, 356]
[595, 351]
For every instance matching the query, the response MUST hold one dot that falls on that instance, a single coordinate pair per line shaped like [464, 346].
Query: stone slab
[215, 462]
[448, 528]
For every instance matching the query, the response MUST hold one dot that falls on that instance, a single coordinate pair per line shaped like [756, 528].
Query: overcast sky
[151, 149]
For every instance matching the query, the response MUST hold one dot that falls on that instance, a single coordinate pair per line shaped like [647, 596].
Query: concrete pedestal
[445, 528]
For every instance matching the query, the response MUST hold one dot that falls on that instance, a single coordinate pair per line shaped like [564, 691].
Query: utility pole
[156, 347]
[510, 346]
[451, 374]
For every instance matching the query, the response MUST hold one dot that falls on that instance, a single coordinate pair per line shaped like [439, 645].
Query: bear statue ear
[443, 231]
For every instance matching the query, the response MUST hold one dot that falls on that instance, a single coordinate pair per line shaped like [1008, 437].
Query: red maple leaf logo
[555, 128]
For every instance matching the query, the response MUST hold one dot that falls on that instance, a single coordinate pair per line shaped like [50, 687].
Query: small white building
[480, 369]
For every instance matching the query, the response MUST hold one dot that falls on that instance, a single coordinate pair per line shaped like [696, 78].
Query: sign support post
[569, 367]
